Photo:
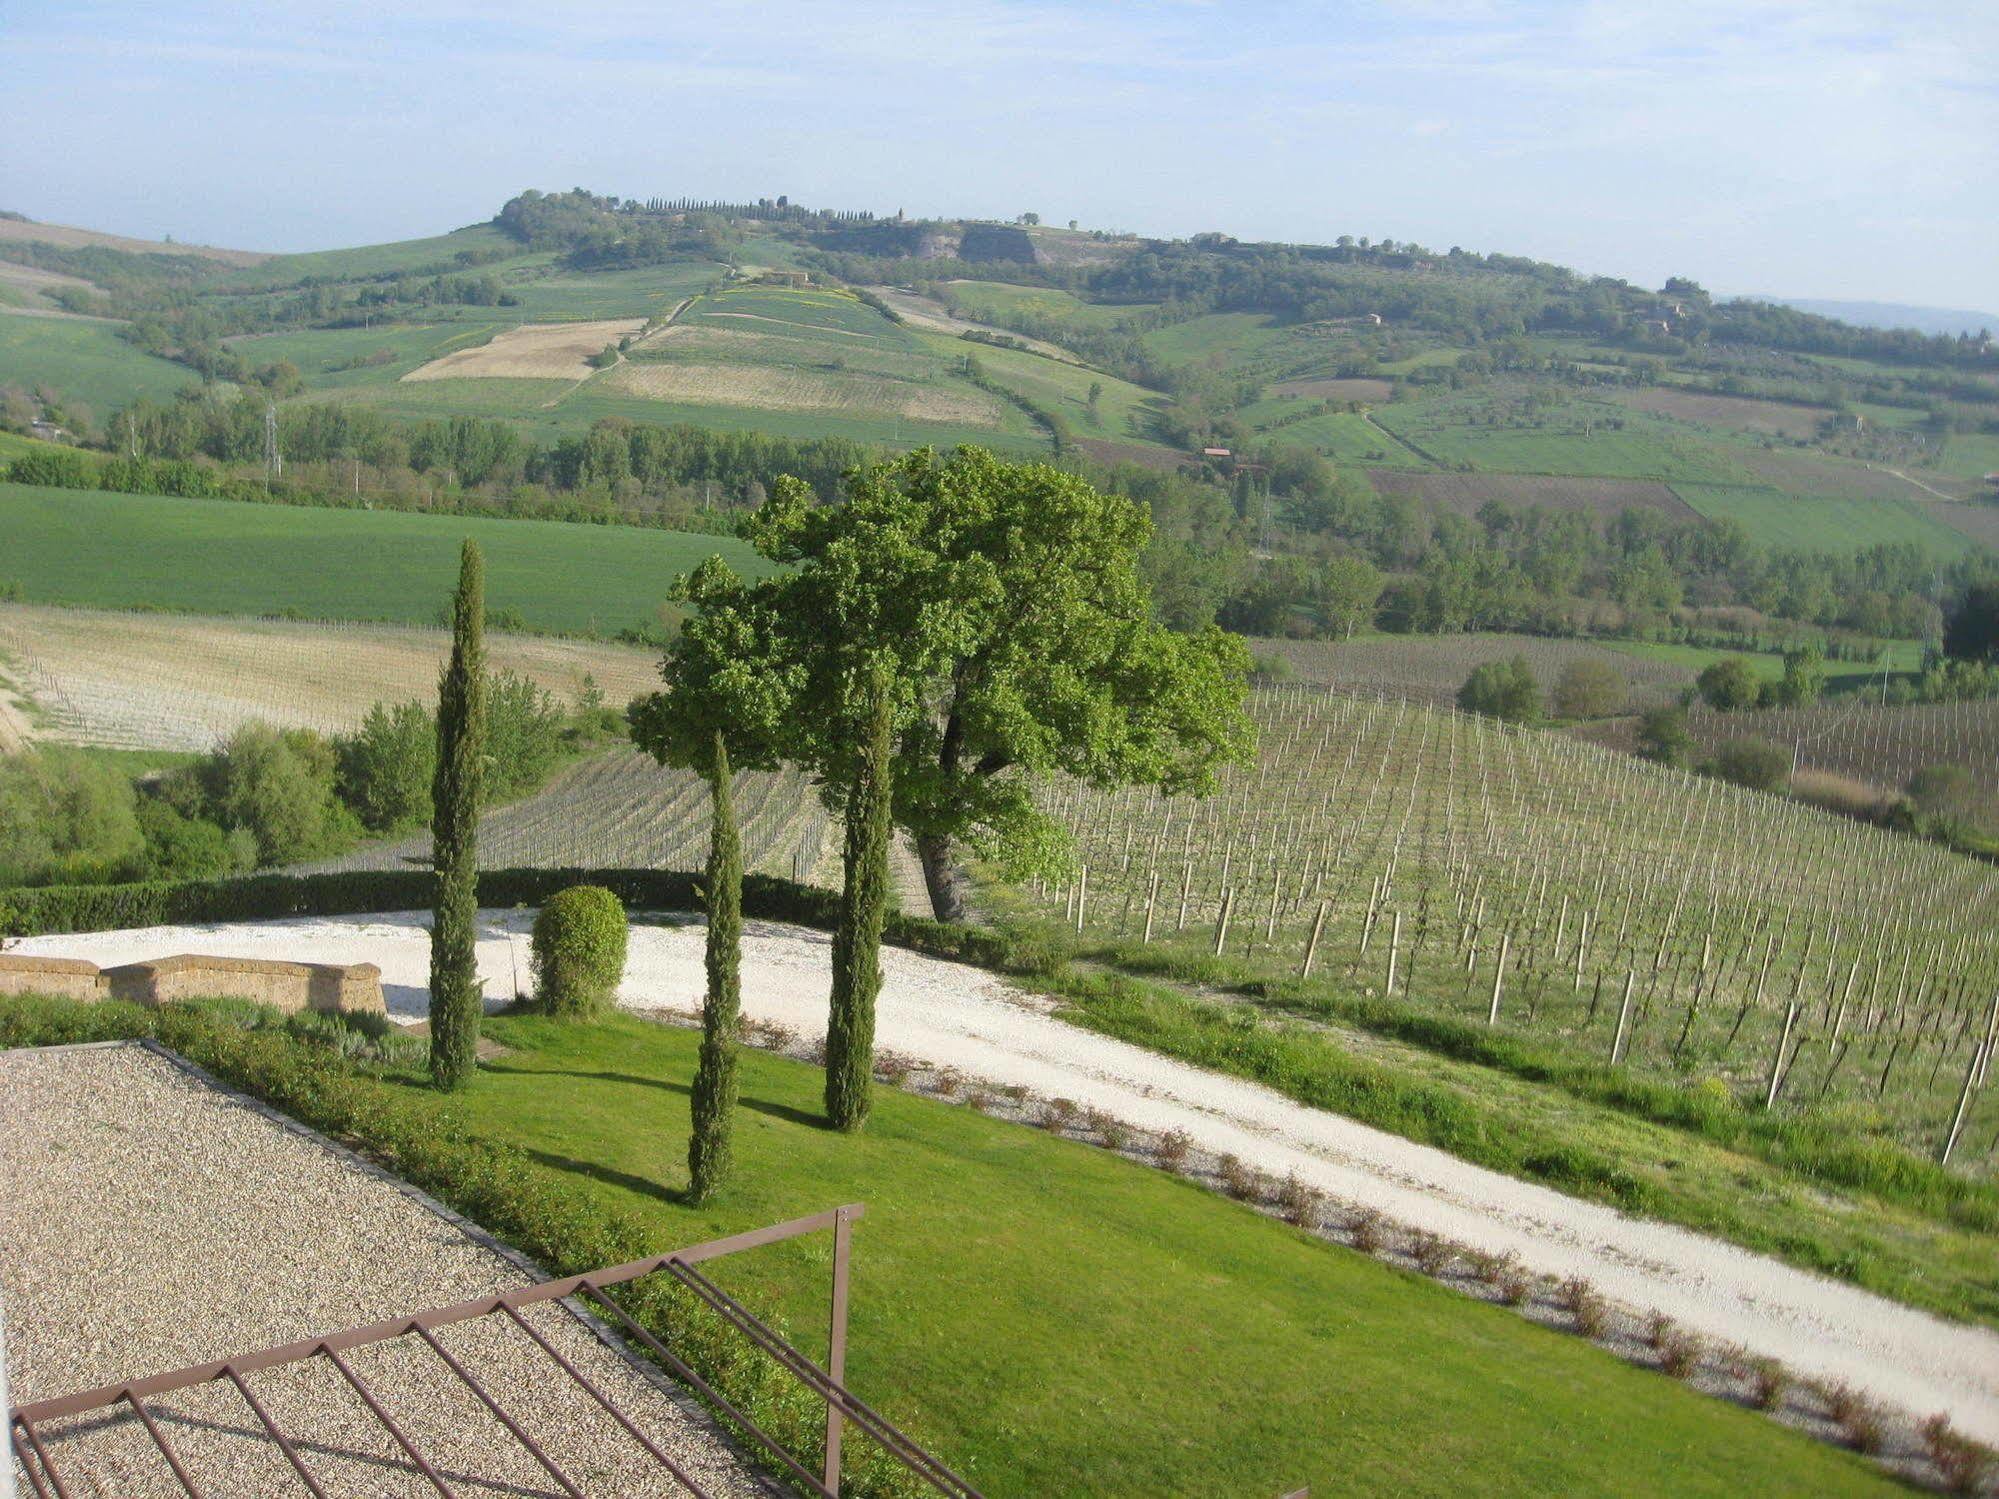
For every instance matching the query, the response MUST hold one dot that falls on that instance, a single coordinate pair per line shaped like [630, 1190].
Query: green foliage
[712, 1106]
[1004, 602]
[64, 817]
[1729, 685]
[1972, 631]
[1753, 762]
[456, 1003]
[1503, 689]
[1663, 735]
[1589, 689]
[1804, 679]
[179, 847]
[58, 468]
[523, 736]
[579, 952]
[1949, 802]
[277, 785]
[850, 1025]
[386, 767]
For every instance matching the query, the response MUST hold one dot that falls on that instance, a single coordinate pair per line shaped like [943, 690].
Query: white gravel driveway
[962, 1017]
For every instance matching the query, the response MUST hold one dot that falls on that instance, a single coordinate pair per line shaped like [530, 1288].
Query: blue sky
[1836, 148]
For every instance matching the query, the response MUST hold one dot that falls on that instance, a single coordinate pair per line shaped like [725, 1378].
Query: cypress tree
[850, 1027]
[710, 1149]
[456, 1003]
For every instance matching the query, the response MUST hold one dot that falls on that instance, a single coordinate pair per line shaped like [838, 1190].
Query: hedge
[49, 909]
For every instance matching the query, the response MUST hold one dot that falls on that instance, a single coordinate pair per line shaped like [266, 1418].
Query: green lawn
[1053, 1320]
[1830, 525]
[69, 546]
[86, 361]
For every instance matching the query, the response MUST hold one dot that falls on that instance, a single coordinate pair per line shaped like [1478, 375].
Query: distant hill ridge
[1949, 321]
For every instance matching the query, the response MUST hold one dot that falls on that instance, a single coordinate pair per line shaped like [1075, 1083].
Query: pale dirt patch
[781, 389]
[160, 681]
[758, 317]
[533, 351]
[956, 1016]
[934, 317]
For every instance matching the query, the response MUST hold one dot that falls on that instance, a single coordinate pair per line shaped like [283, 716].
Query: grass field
[1132, 1305]
[1431, 668]
[345, 358]
[645, 291]
[217, 557]
[86, 360]
[998, 302]
[1496, 432]
[1795, 521]
[1222, 337]
[379, 260]
[1125, 412]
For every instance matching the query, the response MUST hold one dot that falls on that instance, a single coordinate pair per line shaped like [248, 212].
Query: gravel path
[151, 1221]
[960, 1017]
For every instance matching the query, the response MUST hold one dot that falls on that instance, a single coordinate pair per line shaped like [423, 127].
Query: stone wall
[286, 987]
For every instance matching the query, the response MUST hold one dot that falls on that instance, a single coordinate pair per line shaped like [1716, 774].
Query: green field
[1971, 456]
[1125, 411]
[1342, 436]
[86, 360]
[1827, 525]
[1052, 1320]
[1493, 434]
[118, 551]
[379, 260]
[646, 291]
[999, 302]
[1228, 337]
[319, 353]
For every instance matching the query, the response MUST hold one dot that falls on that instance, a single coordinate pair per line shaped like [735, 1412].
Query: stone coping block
[284, 986]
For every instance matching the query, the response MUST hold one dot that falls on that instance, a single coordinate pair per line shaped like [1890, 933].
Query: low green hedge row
[418, 1136]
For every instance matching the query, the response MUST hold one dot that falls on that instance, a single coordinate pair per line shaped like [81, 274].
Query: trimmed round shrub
[579, 951]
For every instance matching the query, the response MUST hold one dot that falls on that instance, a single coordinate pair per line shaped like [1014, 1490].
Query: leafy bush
[1948, 800]
[179, 847]
[524, 736]
[66, 816]
[579, 951]
[1729, 685]
[56, 468]
[1752, 762]
[1663, 736]
[384, 768]
[1503, 690]
[1589, 689]
[278, 786]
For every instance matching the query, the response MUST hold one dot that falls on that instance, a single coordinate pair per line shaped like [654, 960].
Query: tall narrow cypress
[850, 1027]
[455, 999]
[710, 1149]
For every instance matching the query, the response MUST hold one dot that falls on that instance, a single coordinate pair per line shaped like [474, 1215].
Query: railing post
[836, 1347]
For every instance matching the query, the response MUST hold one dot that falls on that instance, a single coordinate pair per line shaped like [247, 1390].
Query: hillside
[1453, 380]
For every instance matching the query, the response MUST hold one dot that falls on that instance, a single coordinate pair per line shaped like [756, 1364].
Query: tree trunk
[710, 1148]
[942, 878]
[857, 977]
[456, 1003]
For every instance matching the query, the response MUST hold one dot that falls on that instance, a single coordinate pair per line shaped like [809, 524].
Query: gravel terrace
[151, 1221]
[956, 1016]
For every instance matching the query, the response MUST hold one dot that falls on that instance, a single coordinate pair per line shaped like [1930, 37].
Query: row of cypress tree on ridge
[953, 633]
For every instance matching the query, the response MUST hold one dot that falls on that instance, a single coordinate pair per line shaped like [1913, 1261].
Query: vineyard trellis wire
[1540, 884]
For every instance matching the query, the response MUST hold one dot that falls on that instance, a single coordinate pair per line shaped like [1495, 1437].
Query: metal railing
[31, 1444]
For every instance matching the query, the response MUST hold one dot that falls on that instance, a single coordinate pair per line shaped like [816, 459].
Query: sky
[1830, 148]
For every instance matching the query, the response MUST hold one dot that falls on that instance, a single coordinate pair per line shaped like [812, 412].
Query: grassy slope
[1057, 1321]
[215, 556]
[85, 360]
[1782, 520]
[378, 260]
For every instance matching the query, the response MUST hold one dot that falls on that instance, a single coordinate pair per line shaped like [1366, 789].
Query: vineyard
[1431, 668]
[1619, 912]
[624, 811]
[1882, 744]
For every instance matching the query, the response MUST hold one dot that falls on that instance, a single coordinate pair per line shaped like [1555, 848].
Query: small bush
[1172, 1148]
[1433, 1254]
[579, 951]
[1680, 1354]
[1110, 1129]
[1503, 690]
[1769, 1382]
[1515, 1285]
[1589, 1311]
[1753, 762]
[1057, 1114]
[1730, 685]
[1589, 689]
[1239, 1179]
[1858, 1418]
[1961, 1463]
[1368, 1230]
[1302, 1206]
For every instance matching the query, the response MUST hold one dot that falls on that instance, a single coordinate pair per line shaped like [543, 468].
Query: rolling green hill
[66, 546]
